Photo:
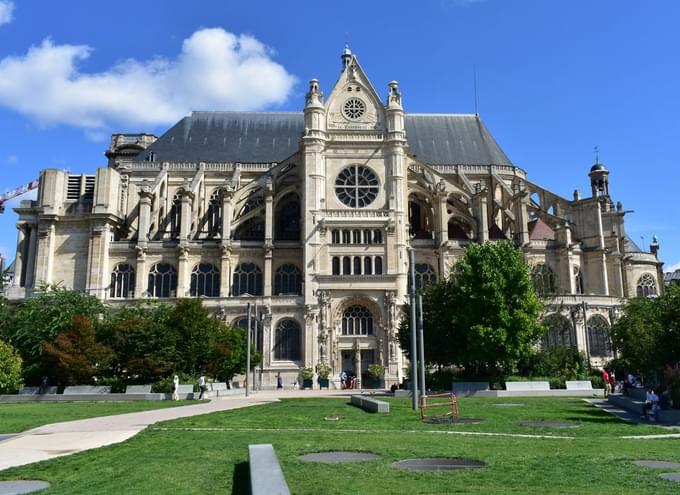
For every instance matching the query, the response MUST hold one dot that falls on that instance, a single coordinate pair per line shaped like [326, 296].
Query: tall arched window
[241, 322]
[247, 280]
[357, 320]
[544, 279]
[176, 215]
[346, 265]
[578, 280]
[377, 236]
[346, 237]
[287, 341]
[214, 214]
[560, 332]
[288, 219]
[368, 237]
[205, 281]
[122, 282]
[420, 218]
[425, 274]
[356, 237]
[162, 280]
[336, 265]
[357, 265]
[250, 230]
[599, 342]
[646, 287]
[288, 280]
[335, 236]
[458, 230]
[377, 264]
[368, 265]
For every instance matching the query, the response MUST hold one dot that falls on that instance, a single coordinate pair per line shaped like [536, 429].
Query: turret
[346, 56]
[315, 113]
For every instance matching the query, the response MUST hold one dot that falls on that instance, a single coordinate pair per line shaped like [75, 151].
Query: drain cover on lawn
[438, 464]
[338, 457]
[658, 464]
[671, 476]
[452, 421]
[21, 486]
[550, 424]
[509, 404]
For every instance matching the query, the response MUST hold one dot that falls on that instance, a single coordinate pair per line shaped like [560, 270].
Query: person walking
[279, 381]
[606, 383]
[201, 386]
[175, 388]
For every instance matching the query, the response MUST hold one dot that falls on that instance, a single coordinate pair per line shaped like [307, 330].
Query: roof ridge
[427, 114]
[241, 112]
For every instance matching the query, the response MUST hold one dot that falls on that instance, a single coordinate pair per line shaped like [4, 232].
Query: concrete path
[625, 415]
[59, 439]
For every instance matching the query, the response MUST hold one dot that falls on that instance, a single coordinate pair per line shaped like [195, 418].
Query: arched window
[336, 265]
[599, 342]
[646, 287]
[346, 265]
[122, 282]
[288, 219]
[250, 230]
[247, 280]
[345, 237]
[458, 231]
[176, 215]
[357, 265]
[162, 280]
[368, 265]
[357, 320]
[377, 237]
[241, 322]
[287, 341]
[205, 281]
[288, 280]
[420, 218]
[356, 237]
[560, 332]
[544, 279]
[578, 280]
[378, 265]
[335, 236]
[368, 237]
[424, 273]
[214, 214]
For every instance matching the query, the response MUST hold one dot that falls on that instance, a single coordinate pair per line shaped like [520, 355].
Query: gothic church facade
[312, 215]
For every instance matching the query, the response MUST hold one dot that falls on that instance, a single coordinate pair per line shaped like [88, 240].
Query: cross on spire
[597, 154]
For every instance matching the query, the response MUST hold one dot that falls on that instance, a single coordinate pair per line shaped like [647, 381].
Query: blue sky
[555, 78]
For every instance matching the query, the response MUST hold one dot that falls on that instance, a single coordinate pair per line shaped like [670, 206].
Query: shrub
[10, 369]
[671, 377]
[376, 370]
[307, 373]
[323, 370]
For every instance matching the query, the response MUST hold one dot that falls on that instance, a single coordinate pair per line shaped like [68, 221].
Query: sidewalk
[59, 439]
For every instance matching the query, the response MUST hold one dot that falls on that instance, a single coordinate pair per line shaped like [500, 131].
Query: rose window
[356, 186]
[354, 108]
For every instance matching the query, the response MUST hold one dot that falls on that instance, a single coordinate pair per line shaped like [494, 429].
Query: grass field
[208, 454]
[15, 418]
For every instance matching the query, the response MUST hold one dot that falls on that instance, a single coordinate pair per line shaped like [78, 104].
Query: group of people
[347, 380]
[654, 401]
[202, 387]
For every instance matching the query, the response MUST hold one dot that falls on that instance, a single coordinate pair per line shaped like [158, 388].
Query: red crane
[16, 192]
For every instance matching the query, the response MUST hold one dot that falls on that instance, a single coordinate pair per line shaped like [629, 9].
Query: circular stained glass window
[354, 108]
[356, 186]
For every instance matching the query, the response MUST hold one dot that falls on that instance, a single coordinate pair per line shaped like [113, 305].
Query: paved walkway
[59, 439]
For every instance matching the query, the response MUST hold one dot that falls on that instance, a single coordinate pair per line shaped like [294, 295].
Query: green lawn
[15, 418]
[208, 454]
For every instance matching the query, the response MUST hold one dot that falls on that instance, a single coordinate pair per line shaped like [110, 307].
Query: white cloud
[672, 268]
[215, 70]
[6, 11]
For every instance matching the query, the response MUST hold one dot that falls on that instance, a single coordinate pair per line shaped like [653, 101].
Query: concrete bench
[185, 389]
[579, 385]
[266, 476]
[138, 389]
[36, 391]
[218, 386]
[87, 390]
[469, 388]
[370, 405]
[526, 386]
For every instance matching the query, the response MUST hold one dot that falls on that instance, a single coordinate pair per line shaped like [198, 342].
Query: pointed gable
[540, 231]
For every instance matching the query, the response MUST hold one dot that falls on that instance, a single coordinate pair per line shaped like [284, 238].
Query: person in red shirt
[606, 383]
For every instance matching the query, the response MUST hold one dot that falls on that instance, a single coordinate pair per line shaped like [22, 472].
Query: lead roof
[264, 137]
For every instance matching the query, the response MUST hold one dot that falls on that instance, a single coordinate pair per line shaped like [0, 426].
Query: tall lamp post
[421, 347]
[248, 333]
[414, 347]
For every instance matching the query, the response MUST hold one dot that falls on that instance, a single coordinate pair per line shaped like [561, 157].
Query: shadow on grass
[241, 479]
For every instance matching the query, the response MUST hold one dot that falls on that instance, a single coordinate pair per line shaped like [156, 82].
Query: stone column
[185, 215]
[225, 270]
[183, 276]
[522, 228]
[19, 259]
[144, 215]
[227, 207]
[268, 236]
[602, 258]
[481, 212]
[45, 256]
[98, 269]
[141, 275]
[357, 362]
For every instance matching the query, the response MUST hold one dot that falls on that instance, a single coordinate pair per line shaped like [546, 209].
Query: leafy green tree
[77, 356]
[10, 369]
[227, 355]
[485, 316]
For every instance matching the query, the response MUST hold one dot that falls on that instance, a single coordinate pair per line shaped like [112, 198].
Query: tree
[10, 369]
[485, 316]
[77, 355]
[44, 317]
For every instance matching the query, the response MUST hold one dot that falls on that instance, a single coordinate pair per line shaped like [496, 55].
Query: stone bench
[370, 405]
[469, 388]
[87, 390]
[527, 386]
[36, 391]
[138, 389]
[185, 389]
[218, 386]
[266, 476]
[579, 385]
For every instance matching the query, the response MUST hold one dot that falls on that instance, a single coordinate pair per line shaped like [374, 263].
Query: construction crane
[16, 192]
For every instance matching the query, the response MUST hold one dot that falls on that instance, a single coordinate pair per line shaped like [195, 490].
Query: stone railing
[195, 166]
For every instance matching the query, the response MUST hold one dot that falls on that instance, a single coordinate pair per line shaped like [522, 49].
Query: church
[312, 216]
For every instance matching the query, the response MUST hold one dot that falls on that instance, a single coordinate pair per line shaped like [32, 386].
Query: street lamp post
[421, 347]
[414, 348]
[248, 350]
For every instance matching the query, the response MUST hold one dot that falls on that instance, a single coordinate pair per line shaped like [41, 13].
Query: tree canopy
[485, 316]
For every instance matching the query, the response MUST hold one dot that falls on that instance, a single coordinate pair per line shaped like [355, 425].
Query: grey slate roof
[263, 137]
